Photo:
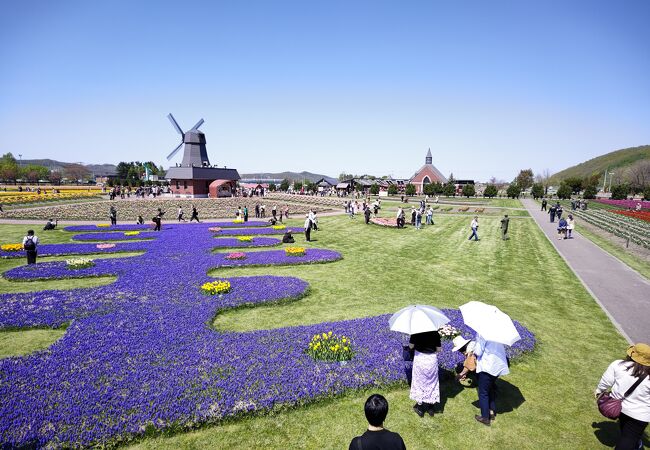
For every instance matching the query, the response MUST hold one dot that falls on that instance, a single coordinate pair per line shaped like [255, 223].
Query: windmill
[194, 153]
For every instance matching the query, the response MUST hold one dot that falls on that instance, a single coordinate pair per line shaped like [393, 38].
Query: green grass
[547, 399]
[24, 342]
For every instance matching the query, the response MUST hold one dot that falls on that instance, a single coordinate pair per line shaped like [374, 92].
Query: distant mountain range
[96, 169]
[614, 161]
[109, 169]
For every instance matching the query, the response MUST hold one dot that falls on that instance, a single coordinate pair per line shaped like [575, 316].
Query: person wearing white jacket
[620, 376]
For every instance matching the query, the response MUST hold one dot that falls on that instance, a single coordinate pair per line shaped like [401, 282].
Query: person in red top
[377, 437]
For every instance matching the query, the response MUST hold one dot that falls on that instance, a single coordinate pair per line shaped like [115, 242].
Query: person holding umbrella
[422, 323]
[491, 363]
[494, 329]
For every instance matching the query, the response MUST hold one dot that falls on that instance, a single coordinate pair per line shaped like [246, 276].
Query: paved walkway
[621, 291]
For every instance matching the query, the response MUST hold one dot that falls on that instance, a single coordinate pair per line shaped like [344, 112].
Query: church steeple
[429, 158]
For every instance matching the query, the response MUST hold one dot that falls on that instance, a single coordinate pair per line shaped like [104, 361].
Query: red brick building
[427, 174]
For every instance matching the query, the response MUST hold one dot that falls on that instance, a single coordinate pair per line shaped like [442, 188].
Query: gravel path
[622, 292]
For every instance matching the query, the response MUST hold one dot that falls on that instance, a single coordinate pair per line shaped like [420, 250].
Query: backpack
[30, 245]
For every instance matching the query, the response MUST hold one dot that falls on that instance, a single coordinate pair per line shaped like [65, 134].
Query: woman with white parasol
[494, 329]
[422, 323]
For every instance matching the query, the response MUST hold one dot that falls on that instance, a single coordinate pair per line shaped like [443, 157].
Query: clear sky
[362, 87]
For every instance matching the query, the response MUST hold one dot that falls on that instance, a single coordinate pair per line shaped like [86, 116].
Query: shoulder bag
[609, 406]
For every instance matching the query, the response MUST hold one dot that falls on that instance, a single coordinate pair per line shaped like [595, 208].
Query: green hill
[619, 159]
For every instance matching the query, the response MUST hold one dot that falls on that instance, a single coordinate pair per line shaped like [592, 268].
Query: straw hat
[639, 353]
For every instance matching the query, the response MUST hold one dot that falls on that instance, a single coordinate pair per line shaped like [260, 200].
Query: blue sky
[361, 87]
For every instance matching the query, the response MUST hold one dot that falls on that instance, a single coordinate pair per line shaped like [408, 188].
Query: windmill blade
[171, 155]
[175, 124]
[198, 124]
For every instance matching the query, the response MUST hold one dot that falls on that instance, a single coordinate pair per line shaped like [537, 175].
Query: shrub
[620, 191]
[469, 190]
[564, 192]
[374, 189]
[537, 190]
[392, 190]
[490, 191]
[590, 192]
[513, 190]
[410, 189]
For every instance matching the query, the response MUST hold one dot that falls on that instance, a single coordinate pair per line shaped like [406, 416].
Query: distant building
[195, 177]
[427, 174]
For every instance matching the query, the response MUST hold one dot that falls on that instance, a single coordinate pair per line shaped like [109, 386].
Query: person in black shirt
[377, 437]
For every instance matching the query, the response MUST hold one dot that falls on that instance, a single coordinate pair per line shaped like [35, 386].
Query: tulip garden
[212, 325]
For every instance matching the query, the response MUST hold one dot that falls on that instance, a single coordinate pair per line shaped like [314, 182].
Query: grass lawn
[546, 402]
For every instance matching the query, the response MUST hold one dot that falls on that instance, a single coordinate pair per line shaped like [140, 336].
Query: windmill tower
[195, 153]
[194, 177]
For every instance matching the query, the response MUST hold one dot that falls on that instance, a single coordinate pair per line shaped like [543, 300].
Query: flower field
[140, 357]
[626, 204]
[641, 215]
[621, 225]
[130, 209]
[33, 198]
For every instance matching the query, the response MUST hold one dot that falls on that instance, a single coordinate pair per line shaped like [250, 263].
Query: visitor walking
[425, 386]
[551, 212]
[629, 381]
[140, 220]
[195, 214]
[377, 437]
[180, 214]
[400, 217]
[366, 215]
[413, 214]
[307, 228]
[157, 219]
[504, 227]
[418, 219]
[246, 214]
[570, 226]
[112, 213]
[430, 216]
[491, 363]
[30, 242]
[544, 203]
[474, 227]
[558, 211]
[561, 229]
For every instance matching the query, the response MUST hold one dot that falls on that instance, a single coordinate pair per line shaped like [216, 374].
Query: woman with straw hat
[629, 381]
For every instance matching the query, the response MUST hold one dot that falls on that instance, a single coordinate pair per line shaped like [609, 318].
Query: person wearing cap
[466, 347]
[619, 377]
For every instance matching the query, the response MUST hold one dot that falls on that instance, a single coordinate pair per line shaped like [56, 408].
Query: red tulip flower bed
[642, 215]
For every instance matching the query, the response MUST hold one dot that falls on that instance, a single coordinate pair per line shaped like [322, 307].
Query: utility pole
[610, 181]
[605, 180]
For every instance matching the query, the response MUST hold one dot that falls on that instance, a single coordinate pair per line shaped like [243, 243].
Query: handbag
[609, 406]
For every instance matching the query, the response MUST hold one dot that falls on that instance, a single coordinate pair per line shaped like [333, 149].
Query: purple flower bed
[139, 354]
[59, 269]
[245, 232]
[168, 224]
[277, 257]
[626, 204]
[123, 227]
[256, 242]
[80, 249]
[115, 236]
